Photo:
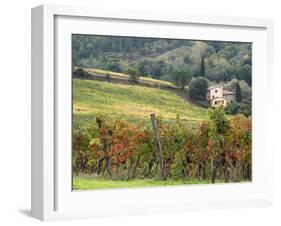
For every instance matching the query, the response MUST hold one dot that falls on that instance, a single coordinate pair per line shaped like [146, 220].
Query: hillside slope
[92, 98]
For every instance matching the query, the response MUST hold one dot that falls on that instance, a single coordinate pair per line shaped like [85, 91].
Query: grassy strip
[86, 183]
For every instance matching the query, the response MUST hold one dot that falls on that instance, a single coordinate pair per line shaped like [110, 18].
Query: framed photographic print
[136, 112]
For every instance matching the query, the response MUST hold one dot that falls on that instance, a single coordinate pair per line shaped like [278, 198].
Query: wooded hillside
[162, 58]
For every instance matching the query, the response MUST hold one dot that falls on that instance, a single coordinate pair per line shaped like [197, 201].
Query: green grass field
[92, 98]
[84, 183]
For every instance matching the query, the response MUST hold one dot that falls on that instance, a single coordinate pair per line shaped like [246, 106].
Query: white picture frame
[52, 197]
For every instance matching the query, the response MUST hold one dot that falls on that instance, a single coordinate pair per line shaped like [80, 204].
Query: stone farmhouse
[217, 96]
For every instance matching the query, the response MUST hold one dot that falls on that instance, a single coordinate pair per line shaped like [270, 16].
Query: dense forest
[217, 61]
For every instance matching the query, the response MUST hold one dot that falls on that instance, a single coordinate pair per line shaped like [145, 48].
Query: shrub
[198, 88]
[108, 76]
[132, 72]
[80, 73]
[178, 170]
[233, 108]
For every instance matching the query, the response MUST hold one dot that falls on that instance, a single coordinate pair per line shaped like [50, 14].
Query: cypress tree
[202, 66]
[238, 92]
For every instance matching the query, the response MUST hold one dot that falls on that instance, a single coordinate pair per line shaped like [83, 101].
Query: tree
[233, 108]
[113, 63]
[245, 73]
[178, 167]
[246, 107]
[202, 66]
[218, 121]
[218, 128]
[221, 71]
[132, 72]
[238, 92]
[158, 69]
[154, 69]
[79, 72]
[182, 76]
[198, 88]
[187, 59]
[246, 90]
[145, 67]
[217, 45]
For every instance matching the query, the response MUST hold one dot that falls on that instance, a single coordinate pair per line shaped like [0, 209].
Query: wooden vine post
[106, 147]
[158, 145]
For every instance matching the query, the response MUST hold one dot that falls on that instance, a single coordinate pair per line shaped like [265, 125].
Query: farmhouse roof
[228, 92]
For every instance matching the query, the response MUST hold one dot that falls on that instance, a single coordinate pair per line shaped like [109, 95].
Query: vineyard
[131, 136]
